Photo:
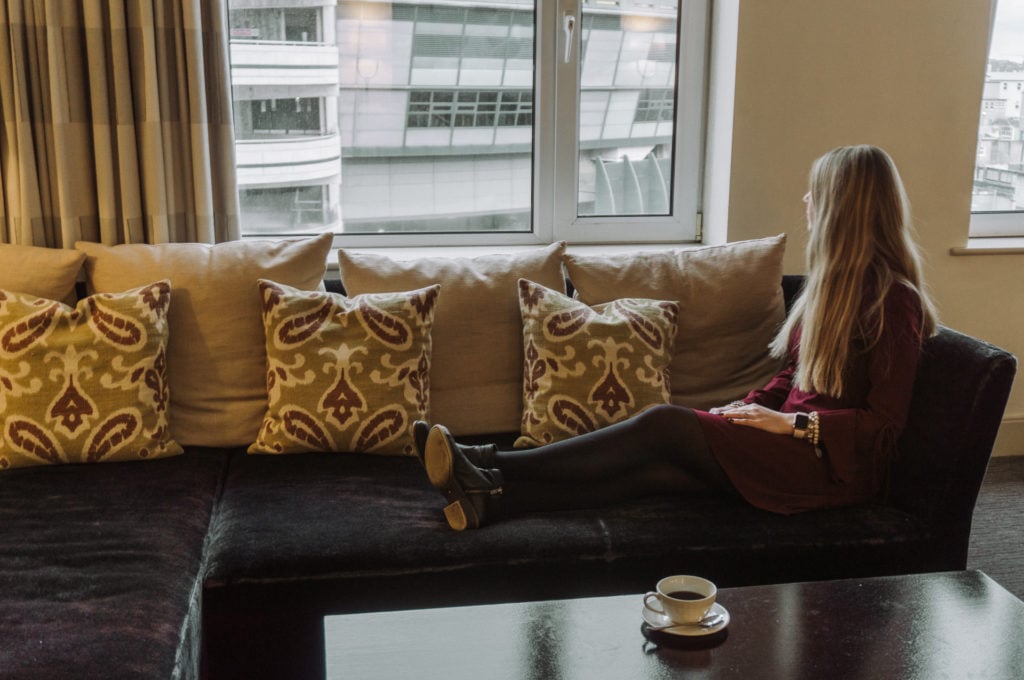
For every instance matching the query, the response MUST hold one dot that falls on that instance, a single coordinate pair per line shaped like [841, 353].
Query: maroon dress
[858, 431]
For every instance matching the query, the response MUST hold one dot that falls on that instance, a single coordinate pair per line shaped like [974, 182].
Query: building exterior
[284, 76]
[371, 117]
[999, 173]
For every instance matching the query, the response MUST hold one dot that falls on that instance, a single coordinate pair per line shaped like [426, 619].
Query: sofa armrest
[792, 284]
[960, 393]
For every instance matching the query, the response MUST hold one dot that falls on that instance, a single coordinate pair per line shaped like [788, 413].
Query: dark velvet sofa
[223, 564]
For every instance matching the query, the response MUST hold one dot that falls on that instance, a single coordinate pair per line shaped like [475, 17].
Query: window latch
[568, 27]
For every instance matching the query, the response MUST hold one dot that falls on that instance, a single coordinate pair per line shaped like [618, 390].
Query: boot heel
[461, 516]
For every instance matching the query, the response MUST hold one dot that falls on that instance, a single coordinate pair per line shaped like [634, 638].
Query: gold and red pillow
[84, 385]
[588, 367]
[215, 351]
[345, 374]
[731, 305]
[478, 343]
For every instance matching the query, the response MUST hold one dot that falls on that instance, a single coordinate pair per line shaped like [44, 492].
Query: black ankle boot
[481, 455]
[473, 493]
[420, 430]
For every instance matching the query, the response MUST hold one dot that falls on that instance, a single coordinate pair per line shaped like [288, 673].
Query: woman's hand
[757, 416]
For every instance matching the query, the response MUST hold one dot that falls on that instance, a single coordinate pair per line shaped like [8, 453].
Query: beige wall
[798, 77]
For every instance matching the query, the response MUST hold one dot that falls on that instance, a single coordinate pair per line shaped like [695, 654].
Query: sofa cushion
[367, 533]
[376, 520]
[84, 385]
[358, 516]
[730, 307]
[216, 356]
[44, 272]
[99, 566]
[588, 367]
[345, 374]
[477, 372]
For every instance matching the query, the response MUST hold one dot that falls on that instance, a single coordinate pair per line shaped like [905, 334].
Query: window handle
[568, 26]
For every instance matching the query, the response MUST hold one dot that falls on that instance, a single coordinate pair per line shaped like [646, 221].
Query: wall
[809, 75]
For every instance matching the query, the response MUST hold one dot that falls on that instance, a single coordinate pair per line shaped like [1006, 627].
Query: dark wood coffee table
[928, 626]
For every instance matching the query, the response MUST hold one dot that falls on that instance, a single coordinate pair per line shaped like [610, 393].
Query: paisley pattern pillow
[477, 385]
[84, 385]
[733, 303]
[588, 367]
[345, 374]
[215, 352]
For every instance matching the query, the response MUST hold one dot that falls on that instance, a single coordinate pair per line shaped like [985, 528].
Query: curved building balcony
[265, 62]
[288, 161]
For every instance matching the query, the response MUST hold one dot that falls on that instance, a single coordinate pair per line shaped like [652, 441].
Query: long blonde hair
[860, 243]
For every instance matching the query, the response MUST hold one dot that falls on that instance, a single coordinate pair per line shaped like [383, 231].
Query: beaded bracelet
[814, 431]
[813, 427]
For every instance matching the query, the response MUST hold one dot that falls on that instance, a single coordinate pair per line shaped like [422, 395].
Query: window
[299, 208]
[997, 199]
[454, 122]
[274, 24]
[470, 108]
[654, 105]
[277, 117]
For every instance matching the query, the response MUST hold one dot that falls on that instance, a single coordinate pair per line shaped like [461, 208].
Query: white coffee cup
[682, 598]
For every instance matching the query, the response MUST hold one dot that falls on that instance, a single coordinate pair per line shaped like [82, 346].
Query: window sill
[1002, 245]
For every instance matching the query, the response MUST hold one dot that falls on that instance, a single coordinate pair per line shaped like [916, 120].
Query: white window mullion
[548, 37]
[690, 115]
[566, 116]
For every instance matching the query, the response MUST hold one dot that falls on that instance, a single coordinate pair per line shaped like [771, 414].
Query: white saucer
[656, 620]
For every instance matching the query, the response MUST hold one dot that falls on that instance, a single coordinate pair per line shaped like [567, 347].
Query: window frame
[684, 221]
[997, 224]
[993, 224]
[555, 162]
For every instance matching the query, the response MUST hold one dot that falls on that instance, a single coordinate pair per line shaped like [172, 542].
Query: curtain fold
[116, 122]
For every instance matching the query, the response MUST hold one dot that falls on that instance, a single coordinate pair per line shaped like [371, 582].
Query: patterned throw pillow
[215, 350]
[345, 374]
[477, 385]
[84, 385]
[731, 304]
[588, 367]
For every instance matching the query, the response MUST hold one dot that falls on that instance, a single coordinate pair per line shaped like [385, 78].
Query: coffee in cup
[683, 599]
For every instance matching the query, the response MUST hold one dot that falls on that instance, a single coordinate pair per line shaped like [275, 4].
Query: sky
[1008, 36]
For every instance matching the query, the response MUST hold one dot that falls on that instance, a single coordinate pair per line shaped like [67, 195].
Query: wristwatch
[800, 425]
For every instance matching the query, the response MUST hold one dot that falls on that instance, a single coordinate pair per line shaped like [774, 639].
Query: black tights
[659, 451]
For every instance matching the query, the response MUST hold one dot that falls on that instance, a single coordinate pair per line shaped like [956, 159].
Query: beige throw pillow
[730, 307]
[216, 354]
[477, 371]
[345, 374]
[84, 385]
[44, 272]
[585, 368]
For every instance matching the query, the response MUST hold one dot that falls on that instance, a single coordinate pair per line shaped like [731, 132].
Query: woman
[821, 433]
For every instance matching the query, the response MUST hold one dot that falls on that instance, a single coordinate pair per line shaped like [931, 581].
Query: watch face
[801, 421]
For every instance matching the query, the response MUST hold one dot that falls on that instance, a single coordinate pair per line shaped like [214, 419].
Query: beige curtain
[116, 122]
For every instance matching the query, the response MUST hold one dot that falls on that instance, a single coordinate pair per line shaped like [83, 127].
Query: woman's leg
[662, 434]
[528, 495]
[661, 450]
